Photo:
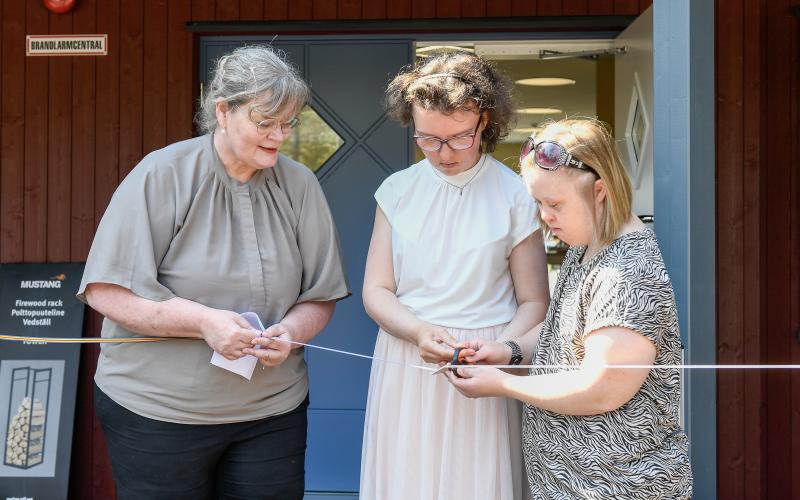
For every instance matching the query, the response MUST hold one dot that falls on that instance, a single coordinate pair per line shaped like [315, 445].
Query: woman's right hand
[436, 345]
[227, 333]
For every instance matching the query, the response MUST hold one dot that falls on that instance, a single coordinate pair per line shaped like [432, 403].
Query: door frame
[685, 201]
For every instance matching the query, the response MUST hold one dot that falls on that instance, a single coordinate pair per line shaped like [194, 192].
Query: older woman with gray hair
[198, 232]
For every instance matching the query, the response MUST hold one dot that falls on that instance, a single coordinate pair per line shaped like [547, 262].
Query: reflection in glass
[637, 130]
[313, 141]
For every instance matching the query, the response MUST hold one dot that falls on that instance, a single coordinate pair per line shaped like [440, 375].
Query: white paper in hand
[245, 365]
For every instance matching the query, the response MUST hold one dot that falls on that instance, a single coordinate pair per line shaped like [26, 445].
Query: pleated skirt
[424, 440]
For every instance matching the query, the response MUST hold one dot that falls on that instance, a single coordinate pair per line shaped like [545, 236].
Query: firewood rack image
[27, 417]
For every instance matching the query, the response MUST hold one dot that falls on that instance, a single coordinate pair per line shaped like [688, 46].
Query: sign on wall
[38, 381]
[66, 45]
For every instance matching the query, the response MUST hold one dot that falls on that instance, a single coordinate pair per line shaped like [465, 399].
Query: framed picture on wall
[637, 128]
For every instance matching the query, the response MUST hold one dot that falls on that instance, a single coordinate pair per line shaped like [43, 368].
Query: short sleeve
[632, 300]
[324, 275]
[134, 235]
[524, 219]
[385, 197]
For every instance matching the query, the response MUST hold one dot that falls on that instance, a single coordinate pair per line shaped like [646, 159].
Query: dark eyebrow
[467, 131]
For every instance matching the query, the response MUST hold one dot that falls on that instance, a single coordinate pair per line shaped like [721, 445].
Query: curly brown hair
[452, 81]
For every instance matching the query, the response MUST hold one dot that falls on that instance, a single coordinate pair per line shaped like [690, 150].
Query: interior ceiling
[573, 100]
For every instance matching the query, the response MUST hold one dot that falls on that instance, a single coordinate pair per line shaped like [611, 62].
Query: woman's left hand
[274, 348]
[478, 382]
[486, 352]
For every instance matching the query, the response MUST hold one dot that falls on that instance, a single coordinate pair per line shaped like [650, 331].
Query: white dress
[451, 241]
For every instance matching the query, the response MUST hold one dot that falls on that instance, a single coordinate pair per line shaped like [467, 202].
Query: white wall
[637, 63]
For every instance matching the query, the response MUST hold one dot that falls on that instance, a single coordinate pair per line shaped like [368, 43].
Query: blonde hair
[451, 81]
[590, 141]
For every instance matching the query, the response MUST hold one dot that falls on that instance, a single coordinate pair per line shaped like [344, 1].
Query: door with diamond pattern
[346, 138]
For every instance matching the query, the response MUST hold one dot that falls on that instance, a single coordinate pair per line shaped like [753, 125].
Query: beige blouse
[178, 225]
[452, 239]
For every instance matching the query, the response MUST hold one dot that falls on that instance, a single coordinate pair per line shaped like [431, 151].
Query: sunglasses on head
[551, 155]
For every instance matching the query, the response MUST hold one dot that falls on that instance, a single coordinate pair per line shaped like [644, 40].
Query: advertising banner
[38, 381]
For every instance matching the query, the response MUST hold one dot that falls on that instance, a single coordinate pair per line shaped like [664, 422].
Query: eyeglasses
[270, 125]
[551, 155]
[459, 143]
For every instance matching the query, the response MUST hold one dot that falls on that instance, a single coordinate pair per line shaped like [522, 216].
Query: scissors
[453, 364]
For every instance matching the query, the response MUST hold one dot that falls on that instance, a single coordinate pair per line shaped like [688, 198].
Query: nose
[446, 153]
[277, 134]
[547, 216]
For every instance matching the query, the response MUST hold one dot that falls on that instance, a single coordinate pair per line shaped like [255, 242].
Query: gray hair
[253, 73]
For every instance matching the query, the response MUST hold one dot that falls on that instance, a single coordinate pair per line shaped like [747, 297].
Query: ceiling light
[539, 111]
[421, 51]
[546, 82]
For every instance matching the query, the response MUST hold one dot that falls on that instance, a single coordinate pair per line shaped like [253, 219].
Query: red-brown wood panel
[757, 255]
[90, 474]
[348, 9]
[251, 10]
[601, 7]
[549, 7]
[131, 64]
[12, 153]
[575, 7]
[750, 62]
[203, 10]
[730, 445]
[59, 188]
[83, 141]
[423, 9]
[498, 8]
[794, 266]
[154, 83]
[300, 10]
[36, 89]
[398, 9]
[523, 7]
[473, 8]
[644, 4]
[780, 339]
[2, 122]
[325, 9]
[374, 9]
[276, 10]
[179, 72]
[448, 9]
[626, 7]
[227, 10]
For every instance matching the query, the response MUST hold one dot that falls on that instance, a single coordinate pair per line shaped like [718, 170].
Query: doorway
[347, 140]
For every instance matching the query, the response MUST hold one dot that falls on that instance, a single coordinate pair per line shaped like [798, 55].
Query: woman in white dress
[455, 254]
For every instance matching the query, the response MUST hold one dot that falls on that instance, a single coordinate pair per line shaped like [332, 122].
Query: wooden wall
[758, 252]
[73, 127]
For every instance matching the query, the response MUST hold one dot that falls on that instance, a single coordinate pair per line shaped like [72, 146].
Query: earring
[224, 131]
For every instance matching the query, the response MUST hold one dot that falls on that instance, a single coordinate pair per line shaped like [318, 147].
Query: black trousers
[151, 459]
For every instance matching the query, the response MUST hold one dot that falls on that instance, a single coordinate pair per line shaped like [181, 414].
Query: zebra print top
[637, 451]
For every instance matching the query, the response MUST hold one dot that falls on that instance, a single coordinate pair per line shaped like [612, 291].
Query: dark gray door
[348, 78]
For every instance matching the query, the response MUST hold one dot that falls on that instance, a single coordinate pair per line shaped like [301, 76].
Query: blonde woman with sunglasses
[590, 430]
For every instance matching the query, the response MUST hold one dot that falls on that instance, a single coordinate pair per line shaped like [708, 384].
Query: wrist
[204, 323]
[287, 334]
[503, 388]
[514, 352]
[424, 332]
